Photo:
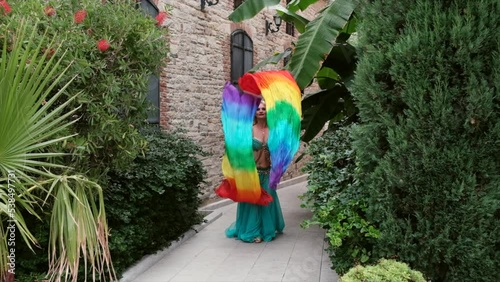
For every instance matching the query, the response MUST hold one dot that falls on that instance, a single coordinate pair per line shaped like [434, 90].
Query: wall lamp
[277, 23]
[209, 3]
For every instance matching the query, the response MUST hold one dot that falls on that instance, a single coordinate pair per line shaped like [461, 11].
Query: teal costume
[257, 221]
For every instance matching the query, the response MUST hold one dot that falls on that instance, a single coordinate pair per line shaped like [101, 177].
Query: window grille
[241, 54]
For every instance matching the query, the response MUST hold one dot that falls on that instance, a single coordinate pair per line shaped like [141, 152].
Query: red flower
[160, 18]
[103, 45]
[49, 11]
[5, 6]
[80, 16]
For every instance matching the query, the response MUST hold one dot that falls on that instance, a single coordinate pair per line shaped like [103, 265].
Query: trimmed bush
[155, 199]
[384, 271]
[337, 200]
[428, 142]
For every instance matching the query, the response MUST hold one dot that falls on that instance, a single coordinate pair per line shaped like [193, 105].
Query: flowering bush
[112, 49]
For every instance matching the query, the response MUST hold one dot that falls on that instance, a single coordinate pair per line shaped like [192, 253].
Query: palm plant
[322, 52]
[33, 117]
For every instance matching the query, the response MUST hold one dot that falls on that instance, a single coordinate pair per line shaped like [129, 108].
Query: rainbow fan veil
[282, 96]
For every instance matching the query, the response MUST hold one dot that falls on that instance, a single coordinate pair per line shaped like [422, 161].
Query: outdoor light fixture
[277, 23]
[209, 3]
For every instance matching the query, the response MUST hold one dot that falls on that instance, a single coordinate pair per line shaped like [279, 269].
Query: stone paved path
[296, 255]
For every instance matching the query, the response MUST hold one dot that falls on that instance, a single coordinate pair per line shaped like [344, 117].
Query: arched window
[241, 54]
[289, 27]
[150, 9]
[237, 3]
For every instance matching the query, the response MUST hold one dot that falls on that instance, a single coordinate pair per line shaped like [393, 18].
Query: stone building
[206, 50]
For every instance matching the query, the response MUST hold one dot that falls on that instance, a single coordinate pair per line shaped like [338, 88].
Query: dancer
[257, 223]
[261, 140]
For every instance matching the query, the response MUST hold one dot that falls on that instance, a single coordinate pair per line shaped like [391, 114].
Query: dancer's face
[261, 111]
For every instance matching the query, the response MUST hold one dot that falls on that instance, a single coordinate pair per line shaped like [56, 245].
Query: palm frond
[27, 78]
[28, 126]
[79, 229]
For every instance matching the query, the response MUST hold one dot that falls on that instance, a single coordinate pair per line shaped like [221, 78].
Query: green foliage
[383, 271]
[337, 200]
[148, 205]
[318, 40]
[249, 9]
[113, 83]
[274, 59]
[155, 199]
[428, 142]
[29, 125]
[25, 128]
[323, 52]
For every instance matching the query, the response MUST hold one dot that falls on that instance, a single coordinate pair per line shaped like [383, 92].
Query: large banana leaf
[274, 59]
[318, 39]
[327, 78]
[320, 108]
[296, 5]
[342, 59]
[249, 8]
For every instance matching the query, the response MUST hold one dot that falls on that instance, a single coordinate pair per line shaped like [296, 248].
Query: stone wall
[199, 65]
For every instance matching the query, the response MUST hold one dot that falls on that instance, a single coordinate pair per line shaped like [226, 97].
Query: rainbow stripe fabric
[283, 103]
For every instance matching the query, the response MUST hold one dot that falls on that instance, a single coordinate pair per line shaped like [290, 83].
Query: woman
[256, 223]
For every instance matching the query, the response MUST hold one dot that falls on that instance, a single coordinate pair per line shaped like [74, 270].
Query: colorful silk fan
[282, 96]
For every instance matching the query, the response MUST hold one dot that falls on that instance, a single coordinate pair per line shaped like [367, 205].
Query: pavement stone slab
[296, 255]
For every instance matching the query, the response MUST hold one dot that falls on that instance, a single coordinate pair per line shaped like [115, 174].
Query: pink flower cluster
[78, 17]
[5, 7]
[160, 18]
[103, 45]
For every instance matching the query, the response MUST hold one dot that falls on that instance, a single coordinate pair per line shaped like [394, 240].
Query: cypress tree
[428, 149]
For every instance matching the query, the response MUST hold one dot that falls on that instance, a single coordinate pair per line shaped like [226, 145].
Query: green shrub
[155, 199]
[113, 83]
[336, 199]
[148, 205]
[384, 271]
[428, 142]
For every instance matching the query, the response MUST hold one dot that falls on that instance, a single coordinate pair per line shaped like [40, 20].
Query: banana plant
[33, 119]
[323, 52]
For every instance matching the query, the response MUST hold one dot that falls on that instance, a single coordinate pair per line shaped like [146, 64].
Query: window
[149, 8]
[153, 97]
[241, 54]
[288, 55]
[237, 3]
[289, 27]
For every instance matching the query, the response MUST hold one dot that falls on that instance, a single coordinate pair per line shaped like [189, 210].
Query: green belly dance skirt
[255, 221]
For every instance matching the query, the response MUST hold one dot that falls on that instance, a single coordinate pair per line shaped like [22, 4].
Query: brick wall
[199, 65]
